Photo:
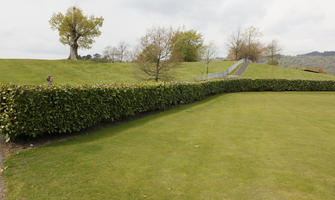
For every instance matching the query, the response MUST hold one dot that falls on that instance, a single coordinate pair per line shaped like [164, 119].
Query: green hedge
[273, 62]
[31, 111]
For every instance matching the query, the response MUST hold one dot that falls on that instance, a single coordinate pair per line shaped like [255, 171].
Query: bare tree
[123, 51]
[251, 36]
[111, 54]
[235, 43]
[273, 50]
[133, 53]
[208, 54]
[156, 58]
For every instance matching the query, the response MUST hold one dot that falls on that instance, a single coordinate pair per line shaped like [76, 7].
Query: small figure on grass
[50, 79]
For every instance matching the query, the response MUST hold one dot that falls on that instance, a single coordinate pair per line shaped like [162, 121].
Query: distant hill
[317, 53]
[311, 60]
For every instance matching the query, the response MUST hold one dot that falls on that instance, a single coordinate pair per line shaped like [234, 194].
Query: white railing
[222, 74]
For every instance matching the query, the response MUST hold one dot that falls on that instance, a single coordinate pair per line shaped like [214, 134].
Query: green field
[261, 145]
[87, 72]
[256, 70]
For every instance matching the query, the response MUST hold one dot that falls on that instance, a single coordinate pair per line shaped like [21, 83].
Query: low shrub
[273, 62]
[31, 111]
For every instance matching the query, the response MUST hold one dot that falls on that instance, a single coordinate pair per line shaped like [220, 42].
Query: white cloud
[299, 26]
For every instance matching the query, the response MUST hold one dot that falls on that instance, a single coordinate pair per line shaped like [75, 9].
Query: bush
[273, 62]
[31, 111]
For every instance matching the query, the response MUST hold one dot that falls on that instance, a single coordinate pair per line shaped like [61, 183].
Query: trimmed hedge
[31, 111]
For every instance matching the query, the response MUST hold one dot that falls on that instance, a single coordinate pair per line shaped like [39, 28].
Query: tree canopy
[76, 30]
[187, 45]
[155, 58]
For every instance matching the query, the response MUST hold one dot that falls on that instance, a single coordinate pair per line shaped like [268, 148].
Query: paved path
[241, 69]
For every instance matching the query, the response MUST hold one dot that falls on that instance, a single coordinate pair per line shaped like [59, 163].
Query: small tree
[111, 54]
[123, 51]
[76, 30]
[273, 50]
[208, 54]
[155, 58]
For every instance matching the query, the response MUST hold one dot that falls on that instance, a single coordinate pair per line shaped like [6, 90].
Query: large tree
[252, 49]
[235, 44]
[155, 58]
[76, 30]
[188, 45]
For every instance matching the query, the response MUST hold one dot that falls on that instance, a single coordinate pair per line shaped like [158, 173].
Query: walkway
[241, 69]
[239, 72]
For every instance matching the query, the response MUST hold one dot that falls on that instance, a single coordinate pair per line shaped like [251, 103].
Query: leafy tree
[188, 45]
[76, 29]
[97, 56]
[87, 57]
[155, 58]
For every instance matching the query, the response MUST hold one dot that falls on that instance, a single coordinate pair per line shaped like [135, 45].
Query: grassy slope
[256, 70]
[232, 146]
[189, 71]
[76, 72]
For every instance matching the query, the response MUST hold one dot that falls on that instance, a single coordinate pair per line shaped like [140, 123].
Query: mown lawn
[21, 71]
[260, 145]
[256, 70]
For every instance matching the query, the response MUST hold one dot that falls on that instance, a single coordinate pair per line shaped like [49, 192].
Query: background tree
[273, 50]
[208, 54]
[123, 51]
[252, 49]
[76, 30]
[87, 57]
[111, 54]
[188, 45]
[235, 44]
[155, 58]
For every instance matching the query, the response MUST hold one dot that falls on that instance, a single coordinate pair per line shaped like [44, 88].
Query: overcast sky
[299, 25]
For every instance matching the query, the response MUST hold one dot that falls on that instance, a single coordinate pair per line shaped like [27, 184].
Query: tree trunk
[73, 42]
[207, 69]
[157, 70]
[73, 52]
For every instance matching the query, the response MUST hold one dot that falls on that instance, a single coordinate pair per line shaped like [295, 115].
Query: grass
[256, 70]
[235, 146]
[189, 71]
[20, 71]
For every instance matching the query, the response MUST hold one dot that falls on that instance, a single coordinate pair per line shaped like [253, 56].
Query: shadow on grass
[107, 130]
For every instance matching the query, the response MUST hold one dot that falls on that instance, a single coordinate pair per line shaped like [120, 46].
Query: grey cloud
[299, 25]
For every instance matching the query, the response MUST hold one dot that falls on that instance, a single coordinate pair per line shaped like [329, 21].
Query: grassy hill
[256, 70]
[21, 71]
[244, 146]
